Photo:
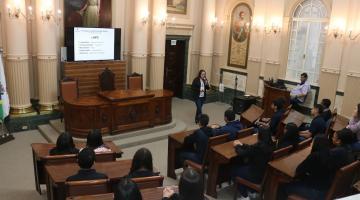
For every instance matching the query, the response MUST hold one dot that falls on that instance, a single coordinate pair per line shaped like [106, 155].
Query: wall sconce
[46, 15]
[353, 35]
[336, 29]
[272, 29]
[214, 22]
[258, 24]
[161, 19]
[145, 17]
[14, 12]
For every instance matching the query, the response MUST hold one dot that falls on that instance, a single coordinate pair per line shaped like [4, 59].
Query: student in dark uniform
[127, 190]
[142, 164]
[317, 125]
[326, 112]
[232, 126]
[291, 136]
[274, 121]
[199, 86]
[86, 159]
[64, 145]
[197, 142]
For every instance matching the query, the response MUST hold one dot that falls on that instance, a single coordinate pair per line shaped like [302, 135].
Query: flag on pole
[4, 100]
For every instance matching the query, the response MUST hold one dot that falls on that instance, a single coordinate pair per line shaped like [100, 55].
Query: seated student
[95, 142]
[317, 125]
[86, 158]
[127, 190]
[273, 122]
[142, 164]
[315, 174]
[291, 136]
[191, 187]
[196, 142]
[299, 93]
[326, 112]
[253, 159]
[64, 145]
[232, 126]
[343, 141]
[354, 126]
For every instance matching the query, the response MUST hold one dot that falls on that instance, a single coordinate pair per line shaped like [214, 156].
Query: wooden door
[174, 66]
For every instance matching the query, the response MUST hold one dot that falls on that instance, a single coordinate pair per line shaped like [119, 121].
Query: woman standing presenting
[199, 86]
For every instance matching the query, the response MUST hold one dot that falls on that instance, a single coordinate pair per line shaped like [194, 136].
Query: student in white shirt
[299, 93]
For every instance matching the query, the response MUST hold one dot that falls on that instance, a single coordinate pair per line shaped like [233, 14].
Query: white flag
[5, 107]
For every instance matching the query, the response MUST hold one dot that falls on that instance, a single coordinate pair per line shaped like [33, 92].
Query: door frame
[186, 57]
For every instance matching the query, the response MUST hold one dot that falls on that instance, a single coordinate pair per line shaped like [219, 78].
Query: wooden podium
[272, 93]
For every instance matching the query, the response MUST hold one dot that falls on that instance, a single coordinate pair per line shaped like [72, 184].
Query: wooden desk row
[40, 153]
[222, 154]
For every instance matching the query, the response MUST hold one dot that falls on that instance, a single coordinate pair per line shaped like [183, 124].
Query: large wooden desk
[222, 154]
[175, 142]
[117, 111]
[41, 150]
[272, 93]
[283, 170]
[57, 175]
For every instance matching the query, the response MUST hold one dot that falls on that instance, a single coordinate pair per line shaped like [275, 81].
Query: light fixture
[353, 35]
[275, 26]
[145, 17]
[214, 21]
[15, 12]
[161, 19]
[257, 24]
[47, 15]
[336, 28]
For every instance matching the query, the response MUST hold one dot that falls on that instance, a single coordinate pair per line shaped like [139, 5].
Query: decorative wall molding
[195, 52]
[254, 59]
[353, 74]
[206, 54]
[331, 71]
[273, 62]
[157, 54]
[218, 54]
[17, 57]
[46, 57]
[138, 54]
[180, 29]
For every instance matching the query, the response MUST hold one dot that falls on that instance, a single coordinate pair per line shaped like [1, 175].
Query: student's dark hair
[94, 139]
[86, 158]
[292, 134]
[142, 160]
[319, 107]
[65, 142]
[127, 190]
[191, 185]
[320, 144]
[304, 75]
[264, 136]
[279, 103]
[326, 103]
[203, 119]
[200, 71]
[358, 110]
[230, 115]
[346, 136]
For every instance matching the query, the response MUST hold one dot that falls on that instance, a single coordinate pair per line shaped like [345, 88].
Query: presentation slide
[93, 44]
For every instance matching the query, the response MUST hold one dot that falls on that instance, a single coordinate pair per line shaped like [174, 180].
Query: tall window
[307, 40]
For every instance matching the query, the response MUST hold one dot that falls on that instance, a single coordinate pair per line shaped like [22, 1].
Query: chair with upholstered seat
[107, 80]
[135, 81]
[342, 183]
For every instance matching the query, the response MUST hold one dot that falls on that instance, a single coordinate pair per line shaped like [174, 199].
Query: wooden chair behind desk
[69, 90]
[135, 81]
[342, 183]
[149, 182]
[107, 80]
[88, 187]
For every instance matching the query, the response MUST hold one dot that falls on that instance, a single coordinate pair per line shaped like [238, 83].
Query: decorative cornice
[331, 71]
[206, 54]
[160, 55]
[180, 26]
[219, 54]
[17, 57]
[195, 52]
[138, 54]
[353, 74]
[46, 57]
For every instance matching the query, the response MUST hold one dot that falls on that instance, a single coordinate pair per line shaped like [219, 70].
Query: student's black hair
[142, 160]
[203, 120]
[191, 185]
[200, 71]
[346, 136]
[292, 134]
[304, 75]
[65, 142]
[264, 136]
[319, 107]
[278, 103]
[86, 158]
[94, 139]
[127, 190]
[320, 144]
[229, 115]
[358, 110]
[326, 103]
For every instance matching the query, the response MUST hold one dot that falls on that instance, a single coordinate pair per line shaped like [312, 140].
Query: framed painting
[239, 36]
[87, 13]
[177, 7]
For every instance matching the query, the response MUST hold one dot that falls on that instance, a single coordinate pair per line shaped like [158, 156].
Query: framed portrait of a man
[177, 7]
[239, 36]
[87, 13]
